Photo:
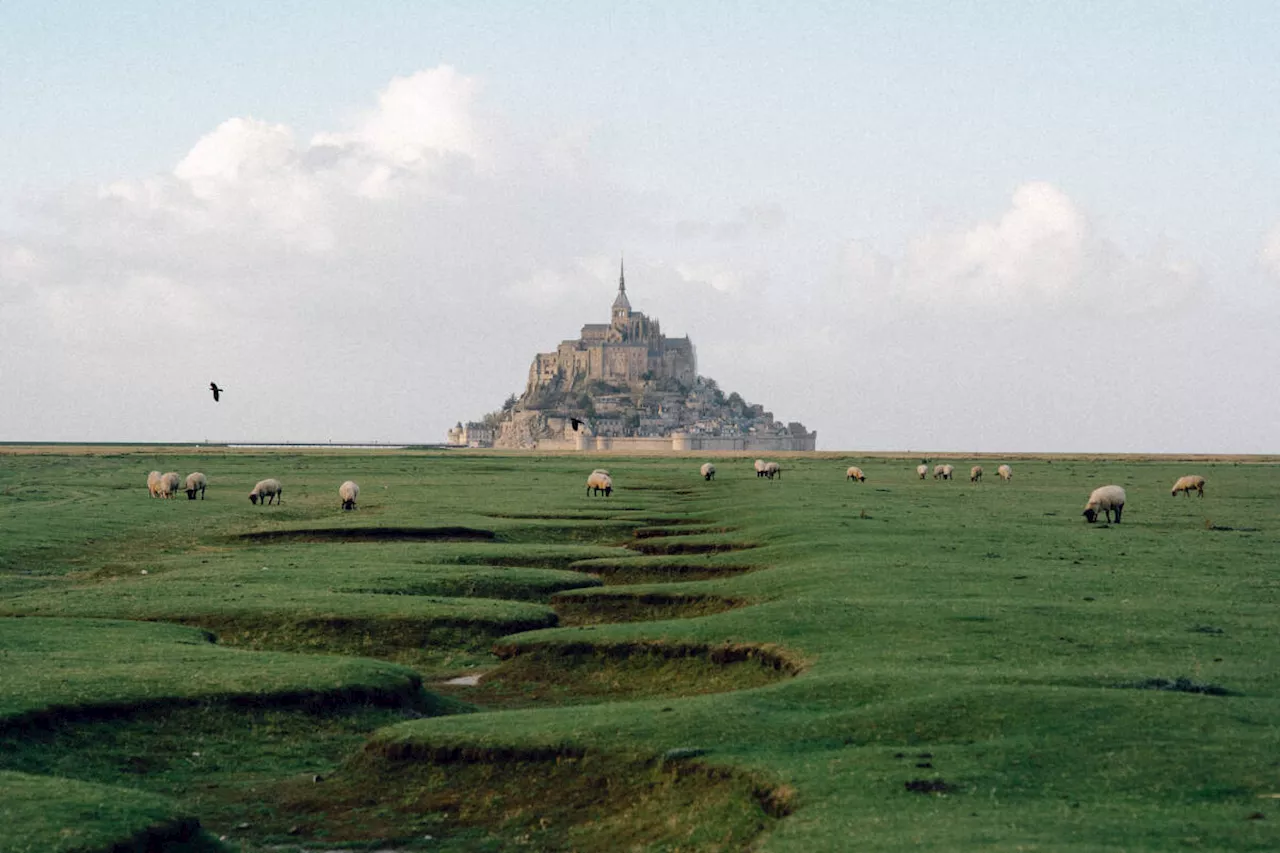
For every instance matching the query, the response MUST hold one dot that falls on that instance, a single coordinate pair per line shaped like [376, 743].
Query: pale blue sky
[874, 124]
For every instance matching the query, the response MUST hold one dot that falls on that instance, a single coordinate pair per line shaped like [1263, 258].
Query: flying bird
[576, 423]
[213, 386]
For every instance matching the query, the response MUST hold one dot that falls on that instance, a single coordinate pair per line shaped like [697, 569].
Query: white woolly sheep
[975, 474]
[1104, 499]
[922, 471]
[708, 471]
[599, 482]
[943, 472]
[153, 484]
[267, 491]
[1005, 473]
[855, 473]
[169, 482]
[196, 482]
[1187, 484]
[759, 466]
[348, 491]
[773, 469]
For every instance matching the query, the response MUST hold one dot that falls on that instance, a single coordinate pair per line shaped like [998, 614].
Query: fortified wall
[623, 386]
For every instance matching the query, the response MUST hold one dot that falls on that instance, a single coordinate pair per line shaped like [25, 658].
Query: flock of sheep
[266, 491]
[1104, 500]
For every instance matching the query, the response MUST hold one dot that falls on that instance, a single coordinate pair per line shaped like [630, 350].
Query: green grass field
[791, 665]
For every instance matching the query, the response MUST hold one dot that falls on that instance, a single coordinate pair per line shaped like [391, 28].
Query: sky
[917, 226]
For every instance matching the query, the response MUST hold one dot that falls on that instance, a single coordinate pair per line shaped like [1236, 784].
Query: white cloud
[1042, 251]
[419, 119]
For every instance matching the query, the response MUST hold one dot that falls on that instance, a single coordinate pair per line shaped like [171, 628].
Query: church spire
[621, 305]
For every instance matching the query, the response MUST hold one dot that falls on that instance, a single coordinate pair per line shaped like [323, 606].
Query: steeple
[621, 305]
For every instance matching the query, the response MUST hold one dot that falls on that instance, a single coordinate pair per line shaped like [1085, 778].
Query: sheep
[599, 482]
[267, 491]
[773, 469]
[922, 471]
[855, 473]
[943, 472]
[708, 471]
[348, 491]
[1187, 483]
[169, 482]
[1104, 499]
[153, 484]
[196, 483]
[759, 465]
[1005, 473]
[975, 474]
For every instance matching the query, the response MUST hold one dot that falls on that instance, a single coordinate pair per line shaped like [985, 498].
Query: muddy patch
[657, 532]
[638, 607]
[373, 534]
[402, 640]
[614, 571]
[574, 673]
[527, 798]
[682, 545]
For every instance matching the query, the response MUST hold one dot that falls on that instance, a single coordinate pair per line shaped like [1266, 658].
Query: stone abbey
[630, 348]
[625, 386]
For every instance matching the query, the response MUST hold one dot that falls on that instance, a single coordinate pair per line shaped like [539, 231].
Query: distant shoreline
[17, 447]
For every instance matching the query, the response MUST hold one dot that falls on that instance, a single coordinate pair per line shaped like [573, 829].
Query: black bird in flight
[213, 386]
[576, 423]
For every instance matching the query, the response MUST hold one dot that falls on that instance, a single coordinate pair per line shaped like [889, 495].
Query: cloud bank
[381, 280]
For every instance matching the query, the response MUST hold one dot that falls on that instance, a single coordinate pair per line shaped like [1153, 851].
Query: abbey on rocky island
[625, 386]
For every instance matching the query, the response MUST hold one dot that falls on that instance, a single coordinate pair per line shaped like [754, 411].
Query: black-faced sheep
[348, 491]
[855, 473]
[1189, 483]
[1004, 472]
[599, 482]
[975, 474]
[773, 469]
[267, 491]
[153, 484]
[169, 483]
[1104, 499]
[196, 482]
[708, 471]
[943, 472]
[759, 466]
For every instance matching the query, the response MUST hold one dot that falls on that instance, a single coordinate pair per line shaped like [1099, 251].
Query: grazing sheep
[348, 491]
[943, 472]
[708, 471]
[855, 473]
[975, 474]
[169, 482]
[759, 465]
[196, 483]
[267, 491]
[773, 469]
[599, 482]
[153, 484]
[922, 470]
[1187, 483]
[1005, 473]
[1104, 499]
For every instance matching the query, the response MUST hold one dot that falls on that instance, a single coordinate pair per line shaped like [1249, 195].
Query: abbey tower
[629, 348]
